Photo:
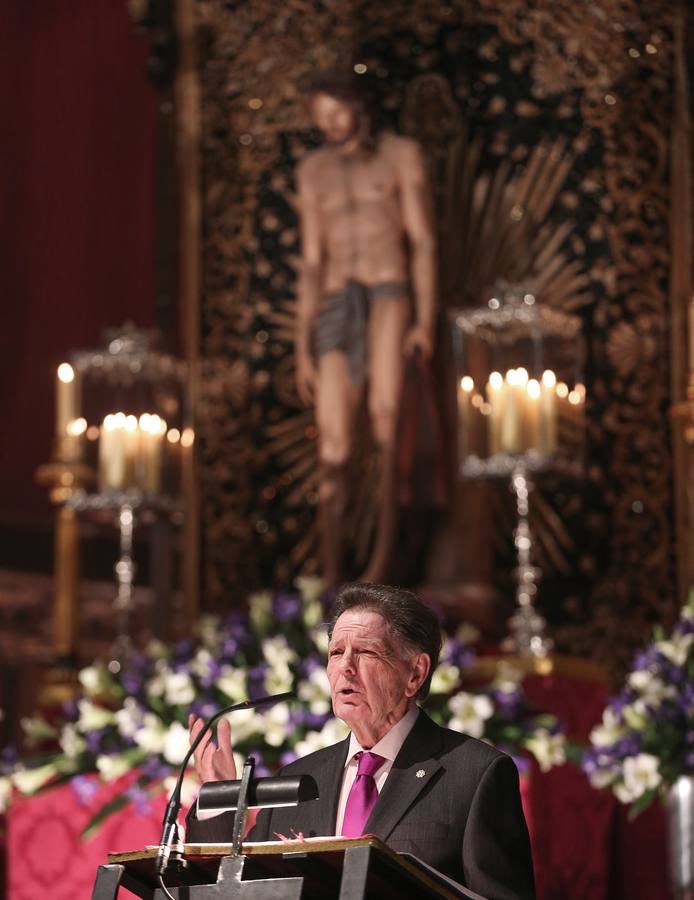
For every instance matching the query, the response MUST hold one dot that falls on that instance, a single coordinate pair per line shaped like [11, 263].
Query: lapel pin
[420, 773]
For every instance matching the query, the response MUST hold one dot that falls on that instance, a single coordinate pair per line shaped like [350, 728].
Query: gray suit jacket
[463, 815]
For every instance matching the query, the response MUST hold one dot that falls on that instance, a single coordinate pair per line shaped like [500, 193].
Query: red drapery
[77, 169]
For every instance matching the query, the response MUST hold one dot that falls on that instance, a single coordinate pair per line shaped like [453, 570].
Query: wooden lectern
[323, 868]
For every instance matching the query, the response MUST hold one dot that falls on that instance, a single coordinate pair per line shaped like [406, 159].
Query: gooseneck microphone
[169, 833]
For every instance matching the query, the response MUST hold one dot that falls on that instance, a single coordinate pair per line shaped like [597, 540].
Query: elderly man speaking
[447, 798]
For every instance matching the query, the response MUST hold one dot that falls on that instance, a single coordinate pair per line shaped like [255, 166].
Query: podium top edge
[310, 845]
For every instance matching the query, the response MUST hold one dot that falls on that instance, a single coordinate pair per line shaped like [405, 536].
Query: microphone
[169, 833]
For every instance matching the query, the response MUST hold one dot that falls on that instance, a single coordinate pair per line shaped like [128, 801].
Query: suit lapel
[329, 779]
[413, 769]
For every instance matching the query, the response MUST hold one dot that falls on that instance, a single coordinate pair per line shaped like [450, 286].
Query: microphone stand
[170, 846]
[242, 806]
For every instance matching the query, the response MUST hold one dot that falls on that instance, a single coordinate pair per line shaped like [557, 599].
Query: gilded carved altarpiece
[549, 121]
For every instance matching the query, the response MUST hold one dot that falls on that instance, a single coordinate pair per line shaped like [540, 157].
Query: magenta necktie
[363, 794]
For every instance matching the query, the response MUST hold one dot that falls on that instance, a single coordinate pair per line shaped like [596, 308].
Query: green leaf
[644, 801]
[92, 826]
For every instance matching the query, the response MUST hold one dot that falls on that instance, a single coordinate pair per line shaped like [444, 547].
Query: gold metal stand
[64, 477]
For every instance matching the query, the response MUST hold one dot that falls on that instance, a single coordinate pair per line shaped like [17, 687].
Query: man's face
[372, 686]
[336, 119]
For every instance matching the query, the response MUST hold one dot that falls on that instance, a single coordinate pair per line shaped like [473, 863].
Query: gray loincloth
[342, 322]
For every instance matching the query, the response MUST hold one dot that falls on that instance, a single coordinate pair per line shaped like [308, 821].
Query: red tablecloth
[46, 857]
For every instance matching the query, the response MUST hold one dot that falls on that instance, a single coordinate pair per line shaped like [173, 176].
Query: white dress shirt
[388, 747]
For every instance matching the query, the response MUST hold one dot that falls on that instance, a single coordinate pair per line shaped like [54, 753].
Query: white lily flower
[179, 689]
[129, 717]
[319, 636]
[610, 731]
[601, 778]
[278, 680]
[334, 730]
[95, 680]
[202, 663]
[71, 741]
[276, 720]
[636, 715]
[277, 651]
[677, 648]
[310, 587]
[315, 691]
[548, 749]
[37, 729]
[157, 650]
[208, 629]
[260, 611]
[653, 690]
[28, 781]
[245, 724]
[92, 717]
[470, 711]
[176, 744]
[112, 766]
[445, 679]
[508, 677]
[232, 682]
[151, 736]
[640, 773]
[5, 793]
[156, 685]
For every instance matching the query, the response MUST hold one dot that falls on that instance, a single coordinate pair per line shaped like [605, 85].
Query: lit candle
[532, 415]
[112, 461]
[152, 431]
[548, 413]
[65, 398]
[511, 418]
[467, 385]
[495, 399]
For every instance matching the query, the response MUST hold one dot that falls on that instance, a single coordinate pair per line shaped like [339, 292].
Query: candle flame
[549, 379]
[533, 388]
[562, 390]
[173, 435]
[496, 380]
[66, 373]
[76, 427]
[467, 384]
[521, 376]
[574, 398]
[187, 437]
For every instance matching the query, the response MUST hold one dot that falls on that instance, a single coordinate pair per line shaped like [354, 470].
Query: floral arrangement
[646, 738]
[135, 720]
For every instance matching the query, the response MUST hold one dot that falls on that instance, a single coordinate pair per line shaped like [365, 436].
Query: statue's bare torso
[358, 210]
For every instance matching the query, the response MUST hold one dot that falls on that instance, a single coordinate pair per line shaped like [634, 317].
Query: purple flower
[286, 607]
[288, 757]
[93, 740]
[140, 799]
[84, 788]
[155, 769]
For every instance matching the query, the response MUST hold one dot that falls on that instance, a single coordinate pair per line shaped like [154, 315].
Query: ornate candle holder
[521, 411]
[122, 421]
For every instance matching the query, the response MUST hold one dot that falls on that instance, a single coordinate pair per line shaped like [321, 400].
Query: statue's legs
[336, 402]
[332, 497]
[388, 323]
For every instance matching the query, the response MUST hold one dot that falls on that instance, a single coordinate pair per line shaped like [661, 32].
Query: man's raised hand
[213, 761]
